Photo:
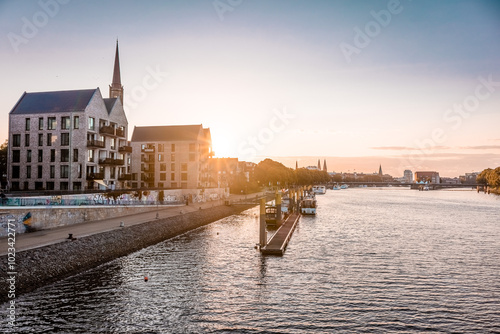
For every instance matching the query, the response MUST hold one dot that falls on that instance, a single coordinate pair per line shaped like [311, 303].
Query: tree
[3, 164]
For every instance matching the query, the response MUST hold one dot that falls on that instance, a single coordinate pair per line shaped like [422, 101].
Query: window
[75, 155]
[161, 157]
[163, 167]
[184, 177]
[91, 123]
[160, 184]
[64, 139]
[172, 167]
[64, 155]
[52, 155]
[161, 147]
[76, 122]
[16, 140]
[112, 172]
[28, 172]
[40, 139]
[28, 156]
[63, 185]
[80, 169]
[15, 172]
[49, 139]
[27, 139]
[27, 124]
[163, 176]
[192, 147]
[51, 123]
[52, 171]
[91, 155]
[40, 155]
[184, 167]
[77, 186]
[64, 172]
[26, 185]
[65, 123]
[40, 123]
[49, 185]
[38, 185]
[40, 171]
[192, 156]
[173, 147]
[172, 176]
[184, 185]
[173, 185]
[172, 157]
[16, 156]
[113, 143]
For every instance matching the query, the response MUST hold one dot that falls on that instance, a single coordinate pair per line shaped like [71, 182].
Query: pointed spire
[319, 164]
[296, 164]
[380, 170]
[116, 88]
[324, 166]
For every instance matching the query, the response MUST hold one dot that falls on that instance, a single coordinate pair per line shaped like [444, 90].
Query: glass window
[40, 155]
[15, 173]
[40, 139]
[172, 157]
[64, 185]
[16, 156]
[64, 155]
[75, 155]
[28, 156]
[163, 176]
[91, 123]
[27, 139]
[49, 139]
[28, 124]
[40, 171]
[40, 123]
[28, 172]
[172, 167]
[16, 140]
[184, 177]
[173, 147]
[64, 171]
[161, 147]
[91, 155]
[163, 167]
[161, 157]
[76, 122]
[65, 123]
[52, 155]
[184, 167]
[51, 123]
[172, 176]
[52, 171]
[64, 139]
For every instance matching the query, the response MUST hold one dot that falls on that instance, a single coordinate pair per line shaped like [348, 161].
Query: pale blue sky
[233, 74]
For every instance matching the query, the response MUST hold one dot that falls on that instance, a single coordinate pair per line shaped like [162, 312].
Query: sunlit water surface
[376, 260]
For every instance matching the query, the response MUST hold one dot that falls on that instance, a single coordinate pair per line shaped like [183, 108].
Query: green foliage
[490, 177]
[271, 172]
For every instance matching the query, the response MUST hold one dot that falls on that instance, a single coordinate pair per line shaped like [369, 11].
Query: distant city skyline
[406, 84]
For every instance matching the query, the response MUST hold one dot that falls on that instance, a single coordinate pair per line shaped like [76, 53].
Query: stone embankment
[44, 265]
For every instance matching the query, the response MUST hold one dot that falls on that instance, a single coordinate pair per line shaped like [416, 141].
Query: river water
[373, 260]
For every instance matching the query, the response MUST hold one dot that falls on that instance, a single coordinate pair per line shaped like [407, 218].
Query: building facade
[171, 156]
[68, 140]
[430, 177]
[408, 176]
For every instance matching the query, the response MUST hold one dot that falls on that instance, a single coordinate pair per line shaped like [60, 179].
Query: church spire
[324, 166]
[319, 164]
[380, 170]
[116, 88]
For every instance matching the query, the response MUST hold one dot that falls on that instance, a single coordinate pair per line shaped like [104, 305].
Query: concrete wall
[48, 264]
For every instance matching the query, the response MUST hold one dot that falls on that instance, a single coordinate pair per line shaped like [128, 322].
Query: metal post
[262, 230]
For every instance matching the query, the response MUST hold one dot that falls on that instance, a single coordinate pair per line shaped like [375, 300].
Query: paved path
[41, 238]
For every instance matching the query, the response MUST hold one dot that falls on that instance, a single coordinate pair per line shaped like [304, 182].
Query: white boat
[308, 204]
[320, 190]
[344, 186]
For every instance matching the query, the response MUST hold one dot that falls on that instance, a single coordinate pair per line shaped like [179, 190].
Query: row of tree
[490, 177]
[270, 172]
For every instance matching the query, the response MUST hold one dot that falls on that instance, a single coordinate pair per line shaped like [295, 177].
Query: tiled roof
[166, 133]
[109, 104]
[52, 102]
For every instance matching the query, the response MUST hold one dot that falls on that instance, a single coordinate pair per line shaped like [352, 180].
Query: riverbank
[37, 267]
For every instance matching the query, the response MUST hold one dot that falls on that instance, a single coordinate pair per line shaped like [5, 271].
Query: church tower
[319, 164]
[380, 170]
[116, 88]
[324, 166]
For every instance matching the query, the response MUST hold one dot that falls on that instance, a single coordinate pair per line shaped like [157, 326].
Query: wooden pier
[278, 242]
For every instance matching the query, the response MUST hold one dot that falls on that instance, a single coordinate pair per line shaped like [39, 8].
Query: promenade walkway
[25, 241]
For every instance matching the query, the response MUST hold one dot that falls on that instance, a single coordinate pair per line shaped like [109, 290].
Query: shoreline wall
[41, 266]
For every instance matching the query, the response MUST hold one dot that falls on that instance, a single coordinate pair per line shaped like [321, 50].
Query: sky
[406, 84]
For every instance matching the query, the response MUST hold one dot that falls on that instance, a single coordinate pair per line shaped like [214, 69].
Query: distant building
[174, 156]
[221, 170]
[313, 168]
[324, 166]
[380, 171]
[469, 178]
[69, 140]
[408, 176]
[431, 177]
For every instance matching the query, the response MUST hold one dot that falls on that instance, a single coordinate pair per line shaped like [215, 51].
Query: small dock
[280, 239]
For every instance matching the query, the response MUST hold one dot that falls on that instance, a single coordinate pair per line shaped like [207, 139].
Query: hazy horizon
[406, 84]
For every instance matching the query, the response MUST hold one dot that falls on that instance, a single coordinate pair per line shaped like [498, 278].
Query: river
[373, 260]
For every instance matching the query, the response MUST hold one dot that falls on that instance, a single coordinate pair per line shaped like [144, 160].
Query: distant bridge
[432, 186]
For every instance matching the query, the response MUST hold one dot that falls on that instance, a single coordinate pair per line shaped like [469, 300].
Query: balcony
[125, 149]
[148, 168]
[148, 160]
[146, 178]
[120, 132]
[95, 143]
[95, 176]
[111, 161]
[125, 177]
[149, 149]
[106, 129]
